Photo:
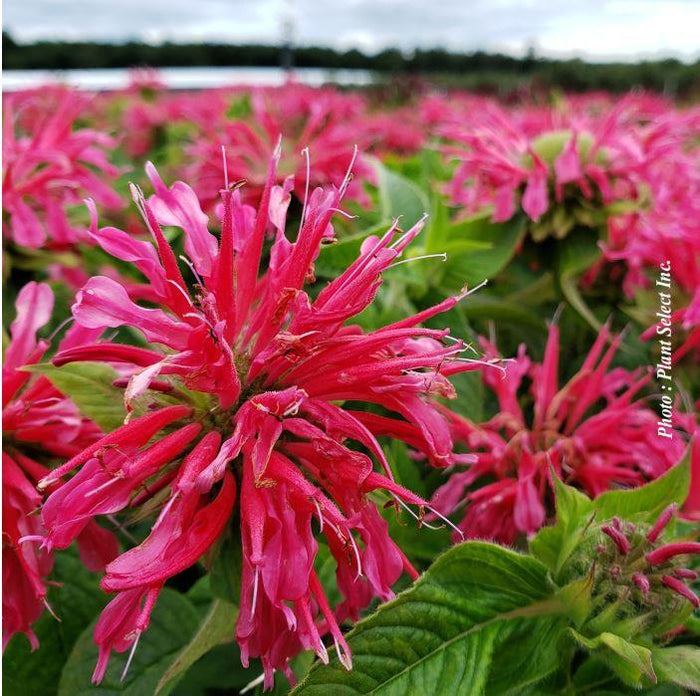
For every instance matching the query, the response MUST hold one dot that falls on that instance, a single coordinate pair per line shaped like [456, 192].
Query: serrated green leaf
[217, 626]
[89, 386]
[76, 602]
[554, 545]
[646, 502]
[595, 678]
[173, 623]
[440, 636]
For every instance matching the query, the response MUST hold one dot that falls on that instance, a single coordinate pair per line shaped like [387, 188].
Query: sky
[593, 29]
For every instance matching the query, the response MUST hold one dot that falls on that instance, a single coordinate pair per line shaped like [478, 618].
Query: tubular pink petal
[661, 523]
[669, 551]
[679, 587]
[137, 432]
[619, 539]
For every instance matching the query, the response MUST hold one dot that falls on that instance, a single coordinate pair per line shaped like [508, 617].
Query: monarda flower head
[48, 166]
[593, 430]
[667, 232]
[560, 167]
[39, 424]
[265, 390]
[325, 121]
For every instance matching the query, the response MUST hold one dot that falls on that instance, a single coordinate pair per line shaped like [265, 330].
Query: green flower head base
[636, 583]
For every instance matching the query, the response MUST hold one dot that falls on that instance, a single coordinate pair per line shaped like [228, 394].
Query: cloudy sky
[597, 29]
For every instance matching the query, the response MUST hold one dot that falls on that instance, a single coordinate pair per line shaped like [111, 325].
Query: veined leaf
[440, 636]
[631, 662]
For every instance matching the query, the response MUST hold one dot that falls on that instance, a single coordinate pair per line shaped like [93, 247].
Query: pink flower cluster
[36, 418]
[537, 158]
[629, 170]
[49, 166]
[324, 122]
[257, 370]
[593, 431]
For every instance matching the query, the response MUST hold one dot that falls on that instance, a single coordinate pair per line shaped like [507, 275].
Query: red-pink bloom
[323, 120]
[536, 158]
[38, 423]
[593, 430]
[49, 165]
[271, 367]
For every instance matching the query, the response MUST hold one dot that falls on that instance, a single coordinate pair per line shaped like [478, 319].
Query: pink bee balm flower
[506, 156]
[326, 122]
[37, 422]
[265, 376]
[49, 166]
[593, 430]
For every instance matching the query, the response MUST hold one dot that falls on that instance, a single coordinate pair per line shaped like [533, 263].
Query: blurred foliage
[491, 72]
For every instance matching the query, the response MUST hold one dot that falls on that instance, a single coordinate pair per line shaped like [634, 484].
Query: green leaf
[554, 545]
[441, 636]
[646, 502]
[631, 662]
[477, 249]
[595, 678]
[577, 253]
[437, 227]
[576, 596]
[679, 664]
[218, 672]
[76, 603]
[173, 623]
[523, 319]
[89, 386]
[399, 196]
[217, 627]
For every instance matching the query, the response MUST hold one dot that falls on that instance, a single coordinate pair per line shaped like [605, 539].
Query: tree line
[473, 70]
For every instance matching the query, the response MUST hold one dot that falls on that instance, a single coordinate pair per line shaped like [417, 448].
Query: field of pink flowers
[307, 391]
